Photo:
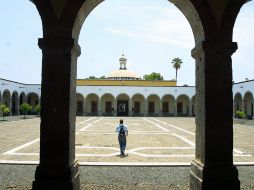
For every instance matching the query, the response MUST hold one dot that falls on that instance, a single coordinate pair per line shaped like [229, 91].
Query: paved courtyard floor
[151, 141]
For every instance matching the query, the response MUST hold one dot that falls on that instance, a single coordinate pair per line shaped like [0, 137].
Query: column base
[219, 177]
[56, 177]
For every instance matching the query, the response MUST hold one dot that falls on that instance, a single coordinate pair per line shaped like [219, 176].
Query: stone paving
[151, 141]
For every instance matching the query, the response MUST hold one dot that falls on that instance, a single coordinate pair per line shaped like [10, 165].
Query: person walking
[122, 131]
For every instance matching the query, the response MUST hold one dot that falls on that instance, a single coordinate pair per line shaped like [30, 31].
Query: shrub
[240, 114]
[38, 109]
[4, 110]
[24, 108]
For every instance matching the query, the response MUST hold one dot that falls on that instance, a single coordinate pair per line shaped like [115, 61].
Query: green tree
[153, 76]
[38, 109]
[177, 62]
[102, 77]
[92, 77]
[240, 114]
[24, 108]
[4, 110]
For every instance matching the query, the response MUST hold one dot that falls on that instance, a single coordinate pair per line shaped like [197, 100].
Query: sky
[149, 32]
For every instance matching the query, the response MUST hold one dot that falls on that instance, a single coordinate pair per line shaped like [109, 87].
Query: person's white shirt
[124, 127]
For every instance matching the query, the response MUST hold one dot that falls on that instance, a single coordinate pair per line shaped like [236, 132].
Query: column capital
[59, 45]
[227, 48]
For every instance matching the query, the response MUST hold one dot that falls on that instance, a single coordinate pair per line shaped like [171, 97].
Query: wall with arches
[14, 94]
[243, 98]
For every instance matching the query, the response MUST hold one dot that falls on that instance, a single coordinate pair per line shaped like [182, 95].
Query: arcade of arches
[212, 23]
[137, 105]
[14, 100]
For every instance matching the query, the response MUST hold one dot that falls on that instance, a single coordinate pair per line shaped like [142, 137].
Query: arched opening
[33, 100]
[193, 105]
[80, 104]
[15, 103]
[92, 104]
[238, 103]
[206, 162]
[248, 104]
[22, 99]
[168, 105]
[182, 105]
[107, 104]
[138, 105]
[123, 105]
[7, 98]
[243, 59]
[153, 105]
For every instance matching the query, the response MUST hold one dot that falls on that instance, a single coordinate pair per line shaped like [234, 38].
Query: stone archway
[183, 105]
[22, 99]
[238, 102]
[153, 105]
[7, 98]
[79, 104]
[107, 104]
[212, 24]
[15, 103]
[93, 107]
[248, 104]
[168, 105]
[138, 105]
[33, 100]
[123, 104]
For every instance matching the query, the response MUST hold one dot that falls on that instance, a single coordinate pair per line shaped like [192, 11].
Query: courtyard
[151, 141]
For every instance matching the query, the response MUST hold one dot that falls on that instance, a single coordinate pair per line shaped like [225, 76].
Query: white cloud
[164, 30]
[155, 24]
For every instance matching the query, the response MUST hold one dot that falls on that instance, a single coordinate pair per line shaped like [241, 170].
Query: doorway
[122, 108]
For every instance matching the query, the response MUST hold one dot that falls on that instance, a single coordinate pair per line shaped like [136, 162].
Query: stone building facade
[126, 97]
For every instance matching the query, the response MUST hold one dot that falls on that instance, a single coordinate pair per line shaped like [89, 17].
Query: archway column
[190, 109]
[160, 108]
[57, 168]
[84, 107]
[115, 107]
[213, 165]
[99, 106]
[130, 108]
[146, 107]
[175, 109]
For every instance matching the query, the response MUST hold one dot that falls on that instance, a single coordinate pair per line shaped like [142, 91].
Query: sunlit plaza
[151, 141]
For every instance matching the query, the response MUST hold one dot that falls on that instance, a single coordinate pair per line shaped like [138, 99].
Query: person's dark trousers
[122, 143]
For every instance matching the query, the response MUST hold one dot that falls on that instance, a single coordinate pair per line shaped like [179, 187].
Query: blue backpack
[121, 132]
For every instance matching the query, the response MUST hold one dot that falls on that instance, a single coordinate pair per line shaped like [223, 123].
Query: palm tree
[177, 64]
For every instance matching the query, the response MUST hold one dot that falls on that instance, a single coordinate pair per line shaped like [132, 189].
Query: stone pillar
[234, 110]
[84, 107]
[10, 105]
[190, 109]
[99, 107]
[160, 109]
[115, 107]
[130, 108]
[146, 107]
[57, 168]
[213, 165]
[175, 109]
